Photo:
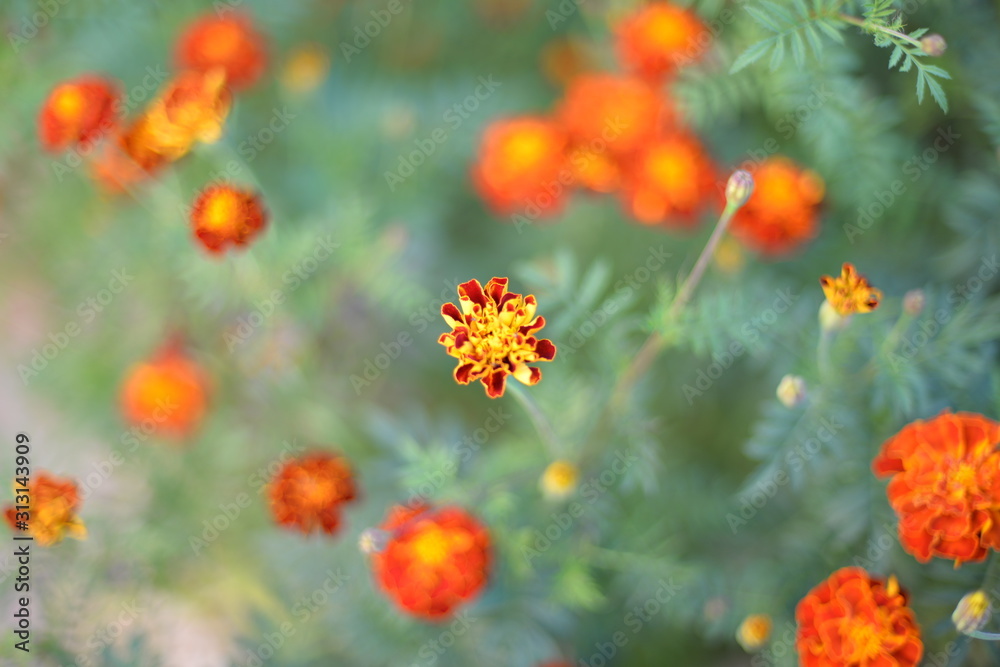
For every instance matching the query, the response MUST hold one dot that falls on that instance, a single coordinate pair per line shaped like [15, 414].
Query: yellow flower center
[221, 210]
[432, 545]
[526, 148]
[221, 41]
[964, 477]
[496, 336]
[668, 30]
[318, 492]
[864, 637]
[68, 102]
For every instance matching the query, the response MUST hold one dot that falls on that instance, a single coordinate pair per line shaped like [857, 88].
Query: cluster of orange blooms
[215, 55]
[622, 133]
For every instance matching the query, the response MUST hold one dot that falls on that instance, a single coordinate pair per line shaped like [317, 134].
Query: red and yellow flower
[945, 486]
[193, 108]
[660, 37]
[223, 215]
[856, 620]
[493, 336]
[167, 395]
[78, 111]
[309, 492]
[783, 212]
[52, 509]
[612, 113]
[519, 166]
[850, 292]
[230, 42]
[433, 561]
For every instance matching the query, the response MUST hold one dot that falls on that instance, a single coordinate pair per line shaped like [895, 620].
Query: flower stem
[875, 27]
[541, 424]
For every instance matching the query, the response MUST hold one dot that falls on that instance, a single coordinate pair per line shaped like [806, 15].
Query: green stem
[875, 27]
[541, 424]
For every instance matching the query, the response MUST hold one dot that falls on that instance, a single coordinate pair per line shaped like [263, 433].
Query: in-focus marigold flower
[973, 612]
[230, 42]
[305, 68]
[671, 181]
[945, 486]
[53, 503]
[434, 561]
[559, 480]
[493, 336]
[613, 113]
[223, 215]
[660, 37]
[77, 111]
[850, 292]
[519, 165]
[855, 620]
[783, 212]
[308, 492]
[166, 395]
[192, 108]
[754, 632]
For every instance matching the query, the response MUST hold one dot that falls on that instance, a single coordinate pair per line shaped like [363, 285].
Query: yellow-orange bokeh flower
[754, 632]
[309, 492]
[659, 37]
[850, 292]
[609, 112]
[52, 509]
[230, 42]
[782, 214]
[166, 395]
[223, 216]
[78, 111]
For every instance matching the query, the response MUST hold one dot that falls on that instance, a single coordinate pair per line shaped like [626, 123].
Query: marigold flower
[125, 160]
[193, 108]
[231, 42]
[945, 486]
[167, 394]
[519, 166]
[855, 620]
[493, 336]
[559, 480]
[434, 561]
[782, 213]
[754, 632]
[659, 37]
[973, 612]
[610, 112]
[77, 111]
[223, 215]
[305, 68]
[851, 292]
[53, 503]
[671, 181]
[308, 492]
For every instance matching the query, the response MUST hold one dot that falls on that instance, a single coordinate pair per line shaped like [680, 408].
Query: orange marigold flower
[434, 559]
[945, 486]
[610, 112]
[855, 620]
[223, 215]
[671, 181]
[53, 502]
[851, 292]
[166, 395]
[230, 42]
[308, 492]
[594, 168]
[782, 213]
[493, 336]
[519, 166]
[660, 37]
[77, 111]
[193, 108]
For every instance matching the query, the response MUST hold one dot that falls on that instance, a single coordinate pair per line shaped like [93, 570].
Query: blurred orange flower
[223, 215]
[613, 113]
[850, 292]
[754, 632]
[659, 37]
[305, 68]
[230, 42]
[855, 620]
[493, 336]
[782, 213]
[945, 486]
[77, 111]
[52, 505]
[166, 395]
[671, 180]
[307, 493]
[519, 165]
[193, 108]
[434, 560]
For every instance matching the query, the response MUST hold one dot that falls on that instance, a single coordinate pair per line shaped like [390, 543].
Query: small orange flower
[660, 37]
[223, 215]
[230, 42]
[945, 486]
[305, 68]
[52, 505]
[671, 181]
[77, 111]
[165, 395]
[193, 108]
[782, 213]
[851, 292]
[754, 632]
[493, 336]
[434, 560]
[307, 493]
[519, 165]
[613, 113]
[855, 620]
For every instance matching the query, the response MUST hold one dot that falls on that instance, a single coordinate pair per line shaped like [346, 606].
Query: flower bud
[830, 319]
[933, 44]
[373, 540]
[972, 613]
[754, 632]
[559, 480]
[791, 391]
[913, 302]
[739, 188]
